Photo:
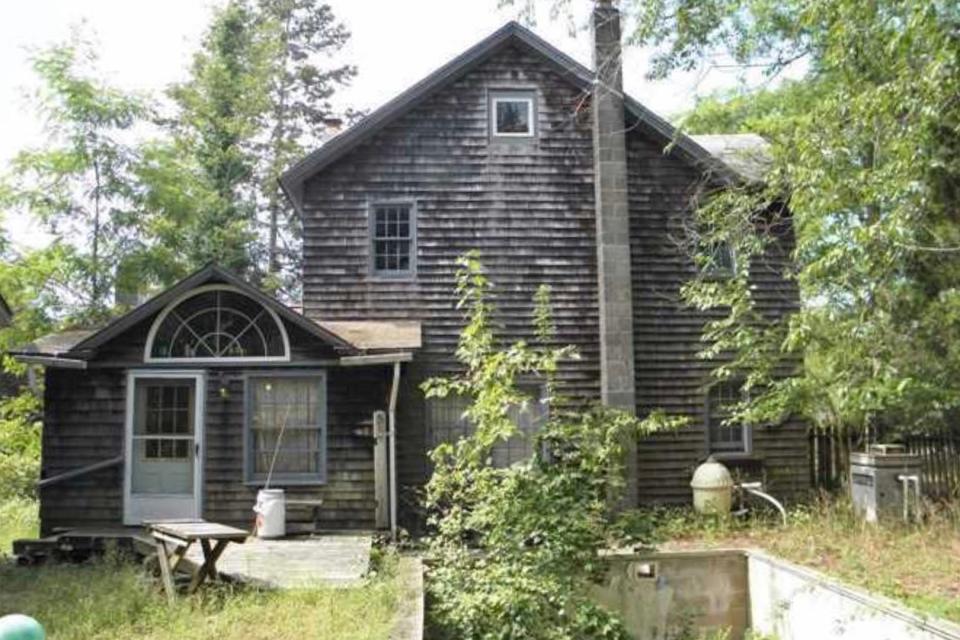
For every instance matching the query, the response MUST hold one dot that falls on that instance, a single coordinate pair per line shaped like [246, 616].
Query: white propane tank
[271, 510]
[712, 488]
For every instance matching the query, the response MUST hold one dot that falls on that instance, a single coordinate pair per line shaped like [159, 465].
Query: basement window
[393, 239]
[513, 114]
[725, 438]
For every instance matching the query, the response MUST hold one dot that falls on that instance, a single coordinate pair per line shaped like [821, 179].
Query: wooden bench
[180, 535]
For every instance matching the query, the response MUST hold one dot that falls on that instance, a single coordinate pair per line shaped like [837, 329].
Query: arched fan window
[217, 322]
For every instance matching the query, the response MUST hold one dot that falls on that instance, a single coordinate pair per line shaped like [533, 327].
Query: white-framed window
[513, 114]
[393, 239]
[217, 323]
[725, 438]
[286, 428]
[446, 422]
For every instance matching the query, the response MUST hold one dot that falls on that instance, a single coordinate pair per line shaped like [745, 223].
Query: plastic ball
[20, 627]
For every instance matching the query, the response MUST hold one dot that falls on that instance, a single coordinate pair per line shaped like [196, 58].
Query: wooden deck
[338, 560]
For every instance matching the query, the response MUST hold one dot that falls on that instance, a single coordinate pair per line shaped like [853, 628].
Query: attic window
[216, 323]
[513, 114]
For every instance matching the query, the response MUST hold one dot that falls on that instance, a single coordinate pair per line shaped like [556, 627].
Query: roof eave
[158, 302]
[293, 180]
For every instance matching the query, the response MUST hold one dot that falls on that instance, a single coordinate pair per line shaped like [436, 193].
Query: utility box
[876, 487]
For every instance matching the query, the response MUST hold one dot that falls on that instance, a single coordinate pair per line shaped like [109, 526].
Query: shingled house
[512, 148]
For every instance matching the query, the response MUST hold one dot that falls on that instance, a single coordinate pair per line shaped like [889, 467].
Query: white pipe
[754, 488]
[906, 480]
[392, 447]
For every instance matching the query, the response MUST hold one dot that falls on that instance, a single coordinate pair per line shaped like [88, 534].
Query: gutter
[50, 361]
[377, 358]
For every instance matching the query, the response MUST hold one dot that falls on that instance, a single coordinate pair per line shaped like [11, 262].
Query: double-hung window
[446, 422]
[393, 239]
[725, 438]
[286, 428]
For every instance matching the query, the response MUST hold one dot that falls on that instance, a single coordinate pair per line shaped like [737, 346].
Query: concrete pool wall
[678, 594]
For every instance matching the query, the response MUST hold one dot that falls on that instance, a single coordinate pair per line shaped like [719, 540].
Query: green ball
[20, 627]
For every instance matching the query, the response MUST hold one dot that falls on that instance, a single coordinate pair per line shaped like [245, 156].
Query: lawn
[918, 565]
[113, 599]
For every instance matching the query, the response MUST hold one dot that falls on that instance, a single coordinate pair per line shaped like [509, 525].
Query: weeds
[914, 563]
[111, 598]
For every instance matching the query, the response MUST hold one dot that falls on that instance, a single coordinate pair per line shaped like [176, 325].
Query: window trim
[389, 275]
[728, 453]
[283, 480]
[508, 94]
[167, 310]
[538, 398]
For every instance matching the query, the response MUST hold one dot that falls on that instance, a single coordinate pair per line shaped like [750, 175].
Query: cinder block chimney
[617, 383]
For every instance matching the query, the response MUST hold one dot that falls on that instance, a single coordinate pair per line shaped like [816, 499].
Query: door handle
[196, 449]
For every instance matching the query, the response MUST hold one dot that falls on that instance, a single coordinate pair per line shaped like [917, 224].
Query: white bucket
[271, 510]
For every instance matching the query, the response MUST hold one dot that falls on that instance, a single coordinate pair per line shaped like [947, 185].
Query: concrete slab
[290, 563]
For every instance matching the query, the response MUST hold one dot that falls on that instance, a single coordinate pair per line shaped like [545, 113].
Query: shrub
[515, 549]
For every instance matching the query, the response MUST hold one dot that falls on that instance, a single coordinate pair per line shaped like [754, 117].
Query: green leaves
[81, 185]
[867, 145]
[516, 548]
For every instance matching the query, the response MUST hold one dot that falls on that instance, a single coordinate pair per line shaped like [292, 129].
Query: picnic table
[180, 535]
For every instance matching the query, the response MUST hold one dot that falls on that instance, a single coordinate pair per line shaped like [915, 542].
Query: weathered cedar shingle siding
[530, 211]
[667, 333]
[84, 424]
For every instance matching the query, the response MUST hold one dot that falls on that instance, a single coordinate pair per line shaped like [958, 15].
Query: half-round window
[217, 323]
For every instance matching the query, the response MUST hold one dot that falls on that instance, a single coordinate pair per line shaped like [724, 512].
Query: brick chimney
[618, 387]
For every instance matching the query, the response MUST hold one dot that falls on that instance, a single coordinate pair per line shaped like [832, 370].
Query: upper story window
[513, 114]
[216, 323]
[719, 260]
[725, 438]
[393, 239]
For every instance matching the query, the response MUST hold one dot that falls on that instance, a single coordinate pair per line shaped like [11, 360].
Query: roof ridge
[291, 181]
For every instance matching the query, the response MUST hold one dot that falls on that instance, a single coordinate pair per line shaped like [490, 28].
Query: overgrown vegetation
[136, 193]
[113, 599]
[916, 564]
[865, 165]
[515, 549]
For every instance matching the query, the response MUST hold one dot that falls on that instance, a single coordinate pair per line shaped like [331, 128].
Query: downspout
[392, 447]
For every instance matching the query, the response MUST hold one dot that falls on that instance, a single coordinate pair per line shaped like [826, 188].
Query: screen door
[163, 447]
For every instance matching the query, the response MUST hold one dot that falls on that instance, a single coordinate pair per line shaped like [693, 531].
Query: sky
[146, 45]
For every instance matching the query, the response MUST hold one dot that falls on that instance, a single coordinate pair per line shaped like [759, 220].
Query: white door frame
[200, 385]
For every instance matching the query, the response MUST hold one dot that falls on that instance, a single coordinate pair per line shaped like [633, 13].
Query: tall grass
[113, 599]
[918, 564]
[18, 519]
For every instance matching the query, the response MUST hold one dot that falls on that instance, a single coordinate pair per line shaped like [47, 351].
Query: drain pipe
[392, 447]
[756, 489]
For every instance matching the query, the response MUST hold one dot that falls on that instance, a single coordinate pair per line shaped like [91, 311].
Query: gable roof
[512, 33]
[86, 344]
[6, 313]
